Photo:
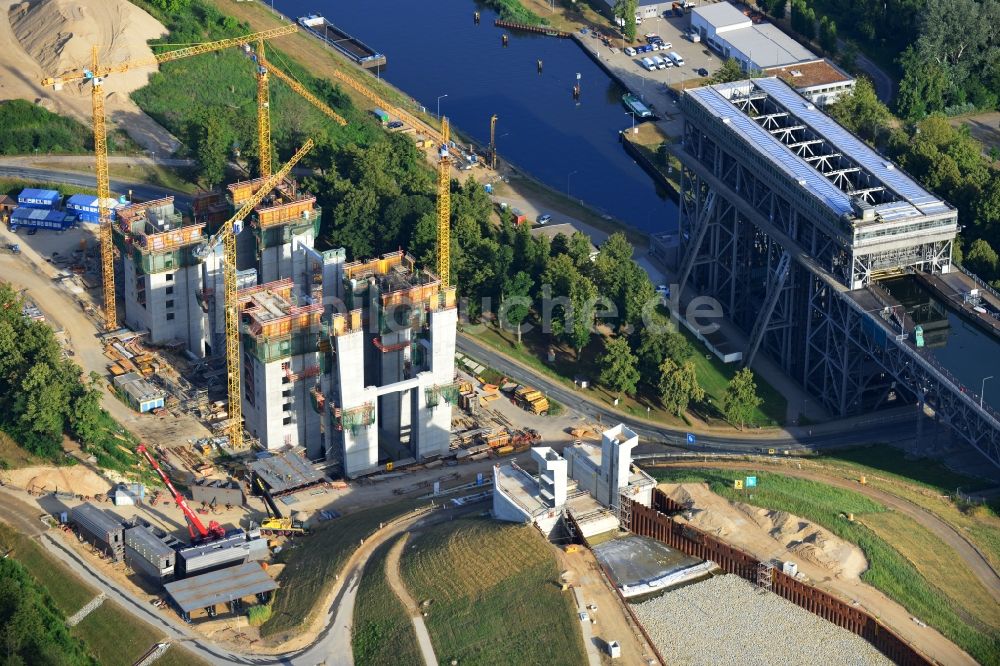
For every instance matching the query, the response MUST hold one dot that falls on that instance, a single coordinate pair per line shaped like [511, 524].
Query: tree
[740, 399]
[731, 70]
[981, 258]
[625, 10]
[621, 279]
[583, 296]
[619, 366]
[828, 35]
[519, 290]
[679, 385]
[657, 344]
[861, 111]
[778, 9]
[213, 139]
[579, 248]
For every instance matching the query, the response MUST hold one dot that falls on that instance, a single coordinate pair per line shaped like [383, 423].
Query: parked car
[629, 51]
[543, 219]
[702, 71]
[395, 124]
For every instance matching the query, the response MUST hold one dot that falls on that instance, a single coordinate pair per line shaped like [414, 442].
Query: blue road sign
[690, 438]
[751, 482]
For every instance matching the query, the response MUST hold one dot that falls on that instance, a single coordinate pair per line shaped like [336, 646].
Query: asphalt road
[118, 186]
[885, 428]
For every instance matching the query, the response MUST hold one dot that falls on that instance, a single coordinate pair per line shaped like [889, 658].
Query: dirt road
[395, 580]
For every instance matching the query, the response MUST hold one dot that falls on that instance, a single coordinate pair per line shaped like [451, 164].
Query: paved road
[895, 427]
[885, 86]
[70, 177]
[395, 580]
[965, 549]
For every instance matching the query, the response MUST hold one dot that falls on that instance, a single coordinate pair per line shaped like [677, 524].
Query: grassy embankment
[713, 375]
[313, 565]
[383, 634]
[924, 482]
[499, 602]
[965, 614]
[649, 141]
[513, 10]
[111, 635]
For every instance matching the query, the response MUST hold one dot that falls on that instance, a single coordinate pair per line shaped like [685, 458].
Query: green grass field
[494, 595]
[312, 565]
[889, 570]
[382, 634]
[114, 637]
[68, 591]
[13, 456]
[179, 656]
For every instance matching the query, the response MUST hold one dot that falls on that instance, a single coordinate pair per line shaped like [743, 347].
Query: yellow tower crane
[226, 234]
[265, 67]
[444, 208]
[96, 74]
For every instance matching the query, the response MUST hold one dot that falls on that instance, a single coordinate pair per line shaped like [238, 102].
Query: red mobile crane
[195, 527]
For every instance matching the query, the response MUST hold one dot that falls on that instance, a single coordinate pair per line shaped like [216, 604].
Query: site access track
[329, 633]
[965, 549]
[889, 427]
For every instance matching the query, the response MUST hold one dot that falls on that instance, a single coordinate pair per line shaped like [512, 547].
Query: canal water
[968, 352]
[435, 49]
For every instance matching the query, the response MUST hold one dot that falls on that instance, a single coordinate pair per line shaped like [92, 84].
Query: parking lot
[651, 86]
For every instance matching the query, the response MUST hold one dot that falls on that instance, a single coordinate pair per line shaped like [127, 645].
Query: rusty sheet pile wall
[691, 541]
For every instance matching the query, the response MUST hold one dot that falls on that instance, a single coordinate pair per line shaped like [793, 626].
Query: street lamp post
[440, 97]
[982, 388]
[567, 180]
[633, 119]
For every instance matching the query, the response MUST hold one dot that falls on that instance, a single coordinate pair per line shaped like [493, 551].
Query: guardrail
[979, 281]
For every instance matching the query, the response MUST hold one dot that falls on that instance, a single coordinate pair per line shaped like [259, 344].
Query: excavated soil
[45, 38]
[775, 532]
[77, 480]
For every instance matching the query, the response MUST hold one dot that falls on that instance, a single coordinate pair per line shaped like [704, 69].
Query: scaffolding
[354, 417]
[447, 392]
[764, 576]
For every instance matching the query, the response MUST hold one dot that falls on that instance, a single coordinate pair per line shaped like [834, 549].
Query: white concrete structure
[821, 81]
[391, 384]
[584, 483]
[607, 473]
[716, 19]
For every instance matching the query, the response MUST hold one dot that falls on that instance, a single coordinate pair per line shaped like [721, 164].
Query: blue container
[32, 198]
[40, 219]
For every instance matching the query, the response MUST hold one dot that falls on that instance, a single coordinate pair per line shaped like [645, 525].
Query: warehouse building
[150, 554]
[215, 555]
[227, 591]
[42, 199]
[821, 81]
[140, 394]
[101, 530]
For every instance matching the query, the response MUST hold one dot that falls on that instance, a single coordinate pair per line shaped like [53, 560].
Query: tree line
[946, 160]
[32, 630]
[42, 394]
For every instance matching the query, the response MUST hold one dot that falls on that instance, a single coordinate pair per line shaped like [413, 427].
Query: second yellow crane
[444, 207]
[226, 234]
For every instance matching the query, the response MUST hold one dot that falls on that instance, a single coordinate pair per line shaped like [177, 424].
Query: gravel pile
[724, 620]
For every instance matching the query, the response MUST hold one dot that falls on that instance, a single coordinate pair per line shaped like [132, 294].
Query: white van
[629, 51]
[659, 62]
[676, 58]
[648, 64]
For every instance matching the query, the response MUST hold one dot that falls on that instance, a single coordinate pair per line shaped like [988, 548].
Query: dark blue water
[434, 48]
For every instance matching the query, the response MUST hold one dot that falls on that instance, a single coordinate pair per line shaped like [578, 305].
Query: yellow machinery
[276, 523]
[227, 235]
[444, 208]
[96, 75]
[264, 67]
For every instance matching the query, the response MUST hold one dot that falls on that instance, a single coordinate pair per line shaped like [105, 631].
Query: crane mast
[263, 114]
[226, 234]
[444, 208]
[96, 75]
[196, 529]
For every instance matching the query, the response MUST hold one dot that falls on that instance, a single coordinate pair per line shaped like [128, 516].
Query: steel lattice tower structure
[789, 221]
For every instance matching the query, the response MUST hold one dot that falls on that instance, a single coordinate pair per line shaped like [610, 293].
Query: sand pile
[77, 480]
[59, 34]
[45, 38]
[760, 530]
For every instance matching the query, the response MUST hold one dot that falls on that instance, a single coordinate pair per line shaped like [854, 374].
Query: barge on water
[352, 47]
[633, 104]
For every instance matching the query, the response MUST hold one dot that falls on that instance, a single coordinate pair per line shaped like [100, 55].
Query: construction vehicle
[226, 235]
[276, 524]
[96, 74]
[532, 400]
[199, 533]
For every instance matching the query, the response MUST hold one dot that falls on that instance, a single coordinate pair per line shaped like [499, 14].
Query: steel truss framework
[846, 358]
